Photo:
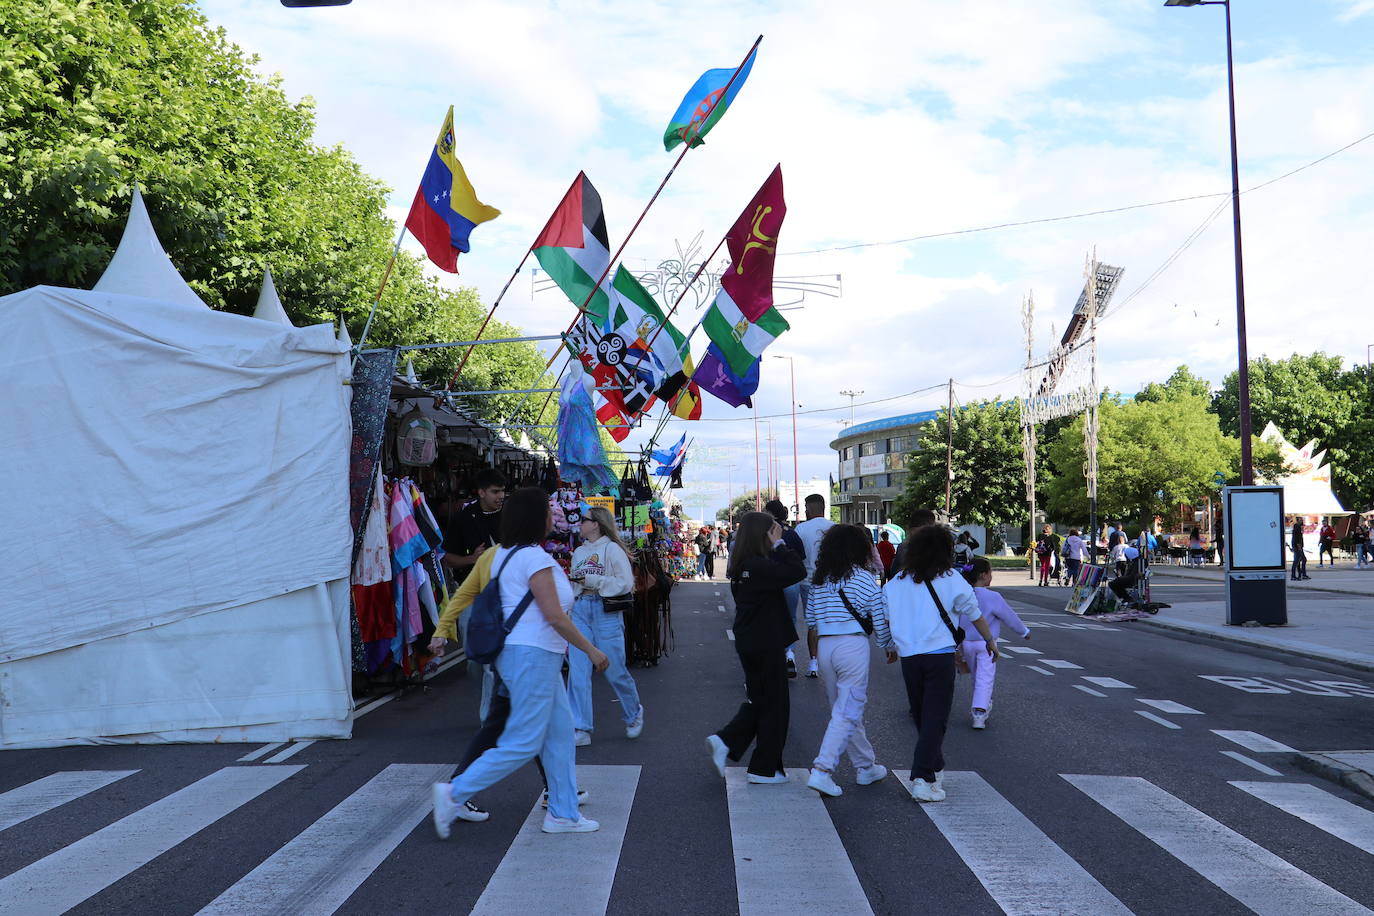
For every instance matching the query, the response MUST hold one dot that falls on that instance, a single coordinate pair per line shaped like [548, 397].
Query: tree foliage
[98, 96]
[743, 503]
[1181, 384]
[988, 483]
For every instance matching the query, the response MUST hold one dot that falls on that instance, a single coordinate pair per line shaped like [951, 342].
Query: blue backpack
[488, 626]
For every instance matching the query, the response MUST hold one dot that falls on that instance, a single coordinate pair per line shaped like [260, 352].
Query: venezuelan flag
[446, 208]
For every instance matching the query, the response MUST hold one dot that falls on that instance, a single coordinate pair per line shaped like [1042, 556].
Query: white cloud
[891, 120]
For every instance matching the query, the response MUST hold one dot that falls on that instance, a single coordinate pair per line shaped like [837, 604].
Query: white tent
[176, 545]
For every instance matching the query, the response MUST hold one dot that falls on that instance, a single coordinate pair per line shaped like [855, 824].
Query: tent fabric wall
[176, 535]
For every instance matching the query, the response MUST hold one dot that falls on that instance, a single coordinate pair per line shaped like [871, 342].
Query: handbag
[956, 632]
[618, 604]
[865, 623]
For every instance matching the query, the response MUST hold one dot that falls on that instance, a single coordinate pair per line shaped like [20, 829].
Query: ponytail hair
[975, 569]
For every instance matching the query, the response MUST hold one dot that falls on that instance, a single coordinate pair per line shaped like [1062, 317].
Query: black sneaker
[474, 812]
[791, 667]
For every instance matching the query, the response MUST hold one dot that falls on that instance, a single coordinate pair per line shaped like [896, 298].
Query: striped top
[825, 610]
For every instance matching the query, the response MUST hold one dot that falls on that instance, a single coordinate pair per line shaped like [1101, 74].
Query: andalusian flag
[705, 104]
[742, 321]
[446, 209]
[573, 248]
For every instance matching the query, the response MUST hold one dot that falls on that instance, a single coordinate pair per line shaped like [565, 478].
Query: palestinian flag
[742, 321]
[574, 250]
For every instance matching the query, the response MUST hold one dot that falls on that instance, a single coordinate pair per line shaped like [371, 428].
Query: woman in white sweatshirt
[923, 601]
[844, 607]
[601, 569]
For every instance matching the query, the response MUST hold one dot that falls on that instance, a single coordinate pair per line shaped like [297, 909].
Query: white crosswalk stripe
[784, 839]
[18, 805]
[1248, 872]
[56, 883]
[317, 871]
[567, 873]
[1322, 810]
[1024, 870]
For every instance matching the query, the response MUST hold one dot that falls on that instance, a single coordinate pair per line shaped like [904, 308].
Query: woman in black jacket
[761, 566]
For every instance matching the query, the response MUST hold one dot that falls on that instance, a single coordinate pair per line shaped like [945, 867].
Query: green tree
[1312, 397]
[741, 504]
[100, 95]
[1181, 383]
[989, 479]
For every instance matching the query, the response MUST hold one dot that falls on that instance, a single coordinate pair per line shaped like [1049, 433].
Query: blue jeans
[540, 724]
[607, 633]
[793, 596]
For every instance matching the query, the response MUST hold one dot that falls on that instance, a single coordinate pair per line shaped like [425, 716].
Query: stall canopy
[1306, 480]
[176, 480]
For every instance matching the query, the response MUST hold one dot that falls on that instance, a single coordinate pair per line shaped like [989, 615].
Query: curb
[1293, 647]
[1220, 578]
[1353, 779]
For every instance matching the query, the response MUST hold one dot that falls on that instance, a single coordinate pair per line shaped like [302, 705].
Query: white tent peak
[410, 375]
[344, 337]
[269, 303]
[140, 267]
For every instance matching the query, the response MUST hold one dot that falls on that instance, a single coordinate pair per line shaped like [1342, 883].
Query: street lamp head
[1182, 2]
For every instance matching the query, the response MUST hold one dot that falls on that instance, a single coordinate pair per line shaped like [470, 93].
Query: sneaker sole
[718, 766]
[573, 829]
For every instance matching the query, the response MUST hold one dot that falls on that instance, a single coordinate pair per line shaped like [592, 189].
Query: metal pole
[367, 325]
[1247, 467]
[949, 449]
[796, 473]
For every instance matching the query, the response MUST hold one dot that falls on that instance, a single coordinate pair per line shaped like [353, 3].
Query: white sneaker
[869, 775]
[636, 728]
[812, 670]
[940, 780]
[582, 797]
[718, 751]
[777, 779]
[581, 738]
[568, 825]
[923, 791]
[824, 783]
[445, 809]
[980, 718]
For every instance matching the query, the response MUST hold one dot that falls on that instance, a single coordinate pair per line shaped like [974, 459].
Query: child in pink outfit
[974, 652]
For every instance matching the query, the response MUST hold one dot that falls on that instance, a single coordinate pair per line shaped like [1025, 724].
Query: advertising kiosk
[1256, 587]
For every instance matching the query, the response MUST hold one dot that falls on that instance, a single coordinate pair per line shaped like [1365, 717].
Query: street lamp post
[796, 478]
[851, 395]
[1247, 467]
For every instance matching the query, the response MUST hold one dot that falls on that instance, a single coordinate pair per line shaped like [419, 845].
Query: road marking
[717, 594]
[1096, 693]
[721, 608]
[784, 838]
[1041, 670]
[295, 748]
[41, 795]
[1156, 719]
[1251, 874]
[1322, 810]
[569, 873]
[1170, 706]
[730, 634]
[1022, 650]
[260, 752]
[1255, 742]
[1059, 663]
[1023, 869]
[75, 873]
[314, 874]
[1109, 682]
[1254, 764]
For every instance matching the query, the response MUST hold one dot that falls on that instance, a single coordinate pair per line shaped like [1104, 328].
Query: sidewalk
[1344, 579]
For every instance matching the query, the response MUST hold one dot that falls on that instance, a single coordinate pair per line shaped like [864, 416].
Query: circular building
[872, 458]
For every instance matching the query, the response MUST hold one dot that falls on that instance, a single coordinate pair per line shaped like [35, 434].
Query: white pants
[843, 662]
[983, 670]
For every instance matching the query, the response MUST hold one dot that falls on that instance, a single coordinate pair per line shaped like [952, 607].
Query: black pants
[710, 563]
[498, 711]
[1299, 563]
[930, 689]
[762, 719]
[1123, 583]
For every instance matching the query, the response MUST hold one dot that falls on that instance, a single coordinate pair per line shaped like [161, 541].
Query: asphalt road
[1163, 829]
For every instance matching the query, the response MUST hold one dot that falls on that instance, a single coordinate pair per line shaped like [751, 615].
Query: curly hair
[929, 553]
[842, 549]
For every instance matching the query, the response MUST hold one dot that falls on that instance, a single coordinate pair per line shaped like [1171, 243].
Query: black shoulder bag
[956, 632]
[865, 623]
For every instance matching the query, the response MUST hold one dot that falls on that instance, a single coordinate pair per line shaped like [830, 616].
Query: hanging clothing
[374, 557]
[407, 543]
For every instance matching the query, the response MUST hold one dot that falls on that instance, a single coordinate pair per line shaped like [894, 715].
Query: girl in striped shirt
[846, 606]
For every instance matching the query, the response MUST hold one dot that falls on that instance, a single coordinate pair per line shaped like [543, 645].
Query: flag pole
[386, 275]
[504, 289]
[686, 148]
[682, 295]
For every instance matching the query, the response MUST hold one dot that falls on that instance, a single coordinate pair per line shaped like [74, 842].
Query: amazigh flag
[446, 208]
[574, 250]
[705, 104]
[742, 321]
[715, 376]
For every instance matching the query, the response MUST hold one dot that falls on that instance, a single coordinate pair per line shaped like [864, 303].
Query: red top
[886, 552]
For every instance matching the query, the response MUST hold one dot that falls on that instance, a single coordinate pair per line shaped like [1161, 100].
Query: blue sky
[891, 120]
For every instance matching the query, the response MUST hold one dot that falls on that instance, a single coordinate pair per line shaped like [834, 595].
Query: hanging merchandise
[580, 452]
[416, 442]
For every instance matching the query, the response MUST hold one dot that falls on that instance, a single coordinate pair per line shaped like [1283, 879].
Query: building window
[847, 454]
[878, 480]
[899, 480]
[867, 449]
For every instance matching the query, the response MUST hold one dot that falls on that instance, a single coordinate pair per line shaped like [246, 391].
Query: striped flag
[573, 248]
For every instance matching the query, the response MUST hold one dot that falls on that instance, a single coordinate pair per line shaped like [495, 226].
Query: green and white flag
[740, 340]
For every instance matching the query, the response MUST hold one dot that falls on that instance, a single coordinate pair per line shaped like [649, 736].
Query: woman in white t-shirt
[530, 665]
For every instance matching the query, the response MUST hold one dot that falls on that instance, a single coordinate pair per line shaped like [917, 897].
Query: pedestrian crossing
[779, 836]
